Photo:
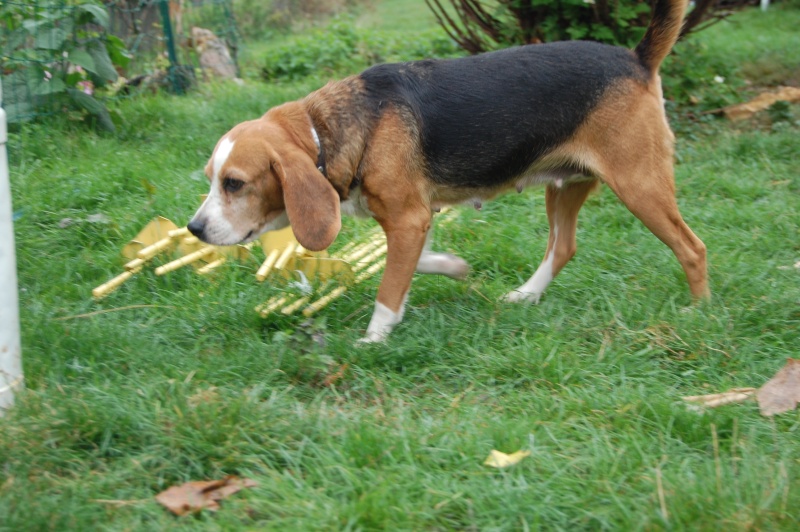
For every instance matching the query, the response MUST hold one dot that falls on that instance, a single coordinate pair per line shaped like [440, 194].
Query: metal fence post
[10, 347]
[174, 67]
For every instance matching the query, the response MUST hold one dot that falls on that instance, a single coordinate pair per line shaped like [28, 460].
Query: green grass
[767, 45]
[194, 385]
[399, 15]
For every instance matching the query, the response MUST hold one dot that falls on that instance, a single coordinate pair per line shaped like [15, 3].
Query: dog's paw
[372, 338]
[457, 268]
[443, 264]
[516, 296]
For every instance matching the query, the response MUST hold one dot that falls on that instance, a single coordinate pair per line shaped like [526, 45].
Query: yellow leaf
[501, 460]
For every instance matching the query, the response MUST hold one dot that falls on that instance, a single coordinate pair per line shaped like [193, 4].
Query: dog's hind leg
[563, 204]
[652, 200]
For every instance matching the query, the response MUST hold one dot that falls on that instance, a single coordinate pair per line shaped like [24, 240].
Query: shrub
[691, 76]
[478, 27]
[58, 57]
[341, 48]
[254, 18]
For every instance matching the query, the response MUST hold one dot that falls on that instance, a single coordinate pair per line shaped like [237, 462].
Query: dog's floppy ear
[312, 204]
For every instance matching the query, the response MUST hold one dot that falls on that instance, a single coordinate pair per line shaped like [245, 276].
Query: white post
[10, 348]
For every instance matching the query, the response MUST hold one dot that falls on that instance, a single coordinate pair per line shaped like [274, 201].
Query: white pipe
[10, 347]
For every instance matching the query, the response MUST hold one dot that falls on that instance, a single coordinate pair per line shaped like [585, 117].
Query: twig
[662, 500]
[733, 446]
[355, 313]
[119, 502]
[717, 463]
[473, 289]
[106, 311]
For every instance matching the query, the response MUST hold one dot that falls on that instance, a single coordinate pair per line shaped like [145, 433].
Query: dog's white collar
[320, 151]
[316, 137]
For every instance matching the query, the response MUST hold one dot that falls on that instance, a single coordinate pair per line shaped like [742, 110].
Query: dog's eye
[232, 185]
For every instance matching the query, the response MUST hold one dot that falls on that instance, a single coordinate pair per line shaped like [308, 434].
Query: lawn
[176, 378]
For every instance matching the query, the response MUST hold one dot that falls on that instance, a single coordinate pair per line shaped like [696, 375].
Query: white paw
[458, 268]
[517, 296]
[443, 264]
[372, 338]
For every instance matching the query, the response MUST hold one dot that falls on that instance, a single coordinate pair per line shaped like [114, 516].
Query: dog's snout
[197, 228]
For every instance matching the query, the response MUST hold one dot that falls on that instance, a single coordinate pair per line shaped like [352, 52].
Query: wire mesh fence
[58, 55]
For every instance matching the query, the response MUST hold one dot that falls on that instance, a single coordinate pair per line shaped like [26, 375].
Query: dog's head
[264, 177]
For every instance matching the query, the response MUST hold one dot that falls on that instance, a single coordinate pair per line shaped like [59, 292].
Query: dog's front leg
[405, 239]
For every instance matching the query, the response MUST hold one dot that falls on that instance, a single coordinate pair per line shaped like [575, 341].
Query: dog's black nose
[196, 228]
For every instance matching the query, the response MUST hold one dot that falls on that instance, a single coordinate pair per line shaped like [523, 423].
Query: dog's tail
[662, 34]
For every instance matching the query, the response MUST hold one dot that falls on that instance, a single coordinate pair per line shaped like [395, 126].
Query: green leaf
[85, 101]
[117, 52]
[577, 32]
[14, 85]
[50, 39]
[18, 112]
[51, 86]
[98, 13]
[32, 25]
[103, 65]
[14, 41]
[82, 59]
[603, 34]
[94, 107]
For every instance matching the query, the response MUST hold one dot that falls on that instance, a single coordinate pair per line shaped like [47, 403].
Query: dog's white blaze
[221, 155]
[218, 230]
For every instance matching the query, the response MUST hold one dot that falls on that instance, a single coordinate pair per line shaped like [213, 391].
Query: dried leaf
[194, 496]
[764, 100]
[331, 379]
[502, 460]
[98, 218]
[736, 395]
[782, 392]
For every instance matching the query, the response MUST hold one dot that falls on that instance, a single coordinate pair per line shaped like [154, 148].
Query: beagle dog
[398, 141]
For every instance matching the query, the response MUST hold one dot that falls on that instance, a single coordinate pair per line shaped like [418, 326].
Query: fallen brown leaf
[197, 495]
[330, 380]
[745, 110]
[736, 395]
[782, 392]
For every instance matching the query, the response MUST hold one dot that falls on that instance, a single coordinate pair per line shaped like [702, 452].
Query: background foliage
[342, 46]
[478, 26]
[57, 55]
